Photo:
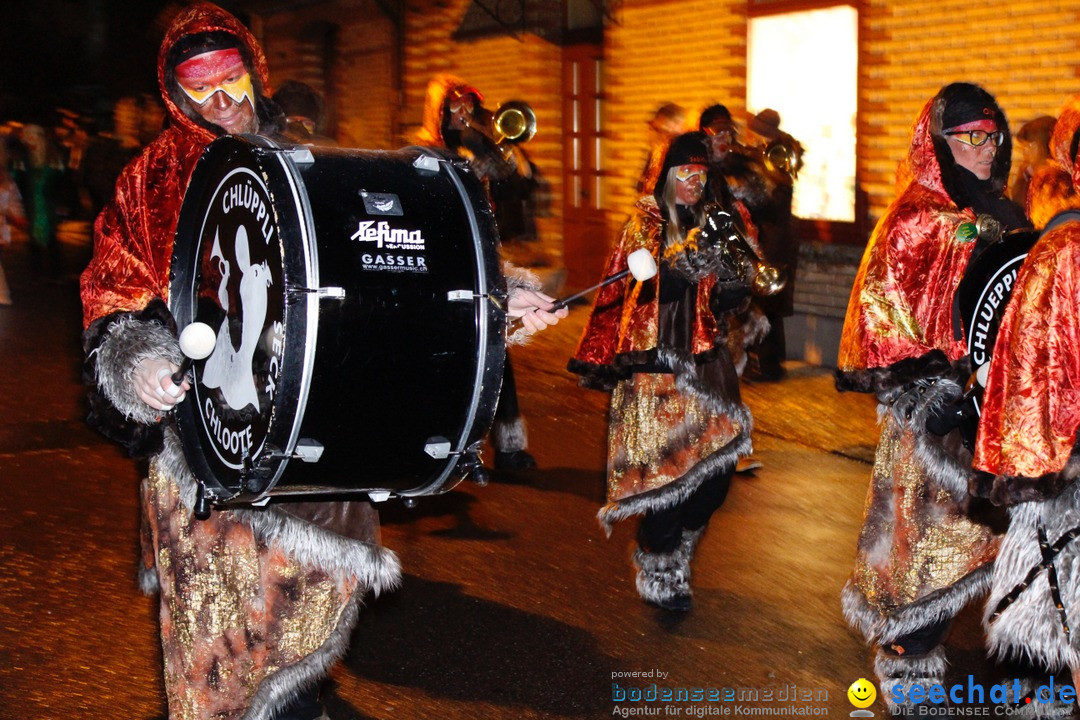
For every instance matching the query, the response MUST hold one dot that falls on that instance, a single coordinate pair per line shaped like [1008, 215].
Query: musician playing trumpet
[677, 422]
[454, 118]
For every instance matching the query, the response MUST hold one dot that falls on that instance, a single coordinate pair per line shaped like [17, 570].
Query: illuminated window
[804, 65]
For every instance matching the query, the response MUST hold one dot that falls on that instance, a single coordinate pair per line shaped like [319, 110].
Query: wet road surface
[514, 603]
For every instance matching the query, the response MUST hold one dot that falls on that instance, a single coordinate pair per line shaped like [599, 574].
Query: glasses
[978, 138]
[685, 174]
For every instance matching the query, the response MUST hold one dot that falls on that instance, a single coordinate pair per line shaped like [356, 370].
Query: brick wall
[692, 52]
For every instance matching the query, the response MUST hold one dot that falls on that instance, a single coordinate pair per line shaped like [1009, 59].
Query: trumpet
[513, 122]
[733, 247]
[782, 156]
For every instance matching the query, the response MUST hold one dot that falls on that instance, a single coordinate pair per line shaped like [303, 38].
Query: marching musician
[677, 424]
[922, 555]
[256, 604]
[452, 114]
[1050, 189]
[1026, 449]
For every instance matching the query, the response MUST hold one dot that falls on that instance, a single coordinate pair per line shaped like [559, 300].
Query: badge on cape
[967, 232]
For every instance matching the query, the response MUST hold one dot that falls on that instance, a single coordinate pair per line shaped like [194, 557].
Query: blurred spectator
[11, 212]
[108, 153]
[1030, 152]
[305, 115]
[776, 235]
[668, 122]
[46, 189]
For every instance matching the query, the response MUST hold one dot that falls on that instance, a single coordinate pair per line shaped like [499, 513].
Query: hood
[930, 162]
[431, 132]
[1067, 124]
[199, 18]
[691, 148]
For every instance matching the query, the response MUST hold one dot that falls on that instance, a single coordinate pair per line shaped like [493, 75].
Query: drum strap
[1049, 552]
[1060, 219]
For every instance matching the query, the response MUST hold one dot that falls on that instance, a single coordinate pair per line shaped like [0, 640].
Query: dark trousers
[661, 531]
[919, 642]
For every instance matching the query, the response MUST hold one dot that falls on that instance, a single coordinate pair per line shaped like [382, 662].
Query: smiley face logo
[862, 693]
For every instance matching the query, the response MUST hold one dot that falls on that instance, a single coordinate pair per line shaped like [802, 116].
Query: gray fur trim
[688, 382]
[278, 690]
[893, 670]
[690, 539]
[662, 576]
[723, 460]
[948, 464]
[1030, 627]
[126, 344]
[938, 606]
[519, 277]
[509, 436]
[377, 568]
[148, 581]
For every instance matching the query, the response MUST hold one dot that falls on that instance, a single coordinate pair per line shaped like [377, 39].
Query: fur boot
[893, 670]
[663, 579]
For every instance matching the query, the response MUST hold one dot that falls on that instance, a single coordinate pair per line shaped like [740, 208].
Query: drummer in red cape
[921, 555]
[677, 424]
[1027, 451]
[256, 605]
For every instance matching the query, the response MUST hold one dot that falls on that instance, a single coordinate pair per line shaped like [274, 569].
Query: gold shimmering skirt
[917, 544]
[235, 611]
[663, 441]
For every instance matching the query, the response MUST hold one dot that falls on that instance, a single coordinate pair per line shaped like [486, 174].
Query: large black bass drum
[983, 294]
[358, 306]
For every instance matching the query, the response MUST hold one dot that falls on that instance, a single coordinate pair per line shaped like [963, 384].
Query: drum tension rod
[295, 292]
[497, 299]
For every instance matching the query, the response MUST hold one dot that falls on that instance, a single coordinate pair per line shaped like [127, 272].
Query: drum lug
[301, 155]
[308, 450]
[427, 163]
[296, 292]
[437, 447]
[462, 296]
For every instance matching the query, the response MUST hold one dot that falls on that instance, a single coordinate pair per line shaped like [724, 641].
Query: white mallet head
[982, 372]
[197, 340]
[642, 264]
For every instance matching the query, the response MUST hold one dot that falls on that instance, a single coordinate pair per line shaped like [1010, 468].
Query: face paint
[215, 71]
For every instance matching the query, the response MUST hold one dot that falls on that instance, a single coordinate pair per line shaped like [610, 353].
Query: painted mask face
[689, 183]
[219, 87]
[974, 146]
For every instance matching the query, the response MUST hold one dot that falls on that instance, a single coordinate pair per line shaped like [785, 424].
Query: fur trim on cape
[946, 459]
[377, 568]
[1031, 626]
[883, 380]
[936, 607]
[688, 382]
[509, 436]
[893, 670]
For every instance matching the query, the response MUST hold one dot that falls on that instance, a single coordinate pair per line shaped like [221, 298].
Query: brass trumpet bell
[768, 279]
[514, 122]
[780, 157]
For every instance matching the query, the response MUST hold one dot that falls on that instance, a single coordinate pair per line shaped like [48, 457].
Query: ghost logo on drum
[229, 366]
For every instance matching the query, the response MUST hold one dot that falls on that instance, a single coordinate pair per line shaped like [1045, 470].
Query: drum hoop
[482, 338]
[311, 309]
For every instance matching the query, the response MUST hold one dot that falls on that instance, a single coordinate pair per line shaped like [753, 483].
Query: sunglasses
[978, 138]
[684, 174]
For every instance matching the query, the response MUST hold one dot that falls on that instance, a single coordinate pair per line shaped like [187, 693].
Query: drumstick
[196, 342]
[640, 263]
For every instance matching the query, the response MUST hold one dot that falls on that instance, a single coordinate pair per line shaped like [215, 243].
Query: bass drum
[984, 292]
[358, 307]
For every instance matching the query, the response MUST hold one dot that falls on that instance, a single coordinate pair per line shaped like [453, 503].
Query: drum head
[985, 290]
[229, 271]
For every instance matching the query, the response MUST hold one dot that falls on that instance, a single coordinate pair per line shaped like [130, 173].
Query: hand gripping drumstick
[196, 342]
[639, 263]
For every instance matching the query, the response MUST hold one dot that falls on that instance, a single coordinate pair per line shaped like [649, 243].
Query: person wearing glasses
[922, 555]
[677, 424]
